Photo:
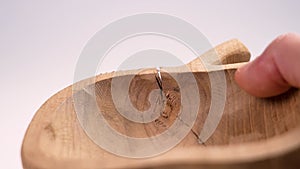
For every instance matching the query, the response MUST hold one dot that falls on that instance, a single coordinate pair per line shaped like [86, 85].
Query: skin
[275, 71]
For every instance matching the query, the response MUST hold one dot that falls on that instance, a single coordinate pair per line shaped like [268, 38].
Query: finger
[275, 71]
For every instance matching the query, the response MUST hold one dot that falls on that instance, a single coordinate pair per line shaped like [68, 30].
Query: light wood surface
[252, 133]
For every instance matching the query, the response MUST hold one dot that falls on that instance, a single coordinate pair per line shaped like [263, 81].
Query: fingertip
[275, 71]
[261, 78]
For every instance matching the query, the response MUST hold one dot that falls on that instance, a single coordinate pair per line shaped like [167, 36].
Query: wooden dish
[252, 133]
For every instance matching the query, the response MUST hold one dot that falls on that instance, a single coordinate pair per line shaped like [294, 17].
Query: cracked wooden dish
[252, 133]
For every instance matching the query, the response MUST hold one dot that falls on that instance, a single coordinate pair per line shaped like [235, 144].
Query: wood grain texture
[253, 132]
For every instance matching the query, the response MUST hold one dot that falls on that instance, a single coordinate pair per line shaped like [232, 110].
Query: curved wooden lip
[222, 154]
[152, 71]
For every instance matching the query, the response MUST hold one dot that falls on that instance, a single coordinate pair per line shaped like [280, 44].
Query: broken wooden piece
[252, 133]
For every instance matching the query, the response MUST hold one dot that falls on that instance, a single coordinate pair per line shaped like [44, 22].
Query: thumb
[275, 71]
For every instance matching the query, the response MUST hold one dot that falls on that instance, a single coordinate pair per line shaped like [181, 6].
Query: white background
[40, 42]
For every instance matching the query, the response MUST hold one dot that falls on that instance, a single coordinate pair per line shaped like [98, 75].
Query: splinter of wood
[159, 79]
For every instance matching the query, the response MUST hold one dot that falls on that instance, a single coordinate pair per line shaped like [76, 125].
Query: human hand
[275, 71]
